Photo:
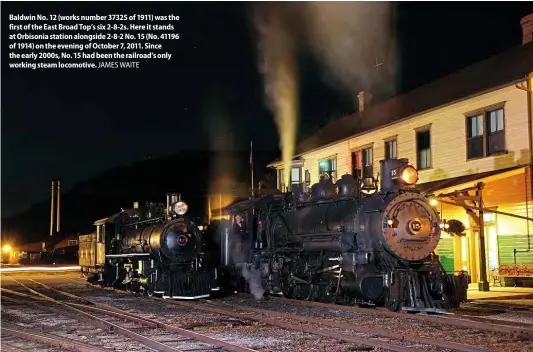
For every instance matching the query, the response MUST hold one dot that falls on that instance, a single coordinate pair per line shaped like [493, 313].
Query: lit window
[328, 166]
[362, 163]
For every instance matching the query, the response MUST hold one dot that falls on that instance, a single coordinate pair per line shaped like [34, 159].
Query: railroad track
[337, 330]
[357, 333]
[500, 306]
[134, 330]
[266, 338]
[15, 338]
[457, 320]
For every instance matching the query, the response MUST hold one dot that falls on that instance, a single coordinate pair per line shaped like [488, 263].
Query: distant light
[7, 248]
[201, 227]
[433, 202]
[41, 268]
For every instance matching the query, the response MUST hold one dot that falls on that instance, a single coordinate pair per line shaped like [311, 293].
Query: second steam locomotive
[151, 250]
[346, 242]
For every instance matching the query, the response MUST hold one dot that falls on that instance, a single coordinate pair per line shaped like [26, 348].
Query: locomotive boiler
[153, 250]
[352, 243]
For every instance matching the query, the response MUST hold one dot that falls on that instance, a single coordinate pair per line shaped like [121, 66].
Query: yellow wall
[510, 194]
[448, 139]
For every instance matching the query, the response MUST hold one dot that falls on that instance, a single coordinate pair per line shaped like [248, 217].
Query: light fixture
[433, 202]
[7, 248]
[409, 175]
[180, 208]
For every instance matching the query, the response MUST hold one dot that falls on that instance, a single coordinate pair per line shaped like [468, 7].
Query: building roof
[492, 73]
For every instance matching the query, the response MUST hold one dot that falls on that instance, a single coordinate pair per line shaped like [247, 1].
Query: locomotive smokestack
[52, 210]
[58, 192]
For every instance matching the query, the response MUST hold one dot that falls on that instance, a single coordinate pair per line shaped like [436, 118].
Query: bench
[511, 270]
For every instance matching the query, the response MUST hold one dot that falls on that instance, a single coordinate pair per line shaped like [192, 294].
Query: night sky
[78, 123]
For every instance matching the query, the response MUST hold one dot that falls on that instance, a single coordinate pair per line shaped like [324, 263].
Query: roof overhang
[278, 163]
[437, 187]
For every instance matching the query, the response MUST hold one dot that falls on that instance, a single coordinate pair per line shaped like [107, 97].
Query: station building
[471, 126]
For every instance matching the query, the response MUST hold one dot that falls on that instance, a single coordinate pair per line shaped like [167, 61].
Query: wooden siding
[446, 254]
[448, 139]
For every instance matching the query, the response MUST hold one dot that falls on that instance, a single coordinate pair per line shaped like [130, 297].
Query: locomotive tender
[347, 242]
[153, 250]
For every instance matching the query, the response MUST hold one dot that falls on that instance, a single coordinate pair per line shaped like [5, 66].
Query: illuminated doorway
[491, 243]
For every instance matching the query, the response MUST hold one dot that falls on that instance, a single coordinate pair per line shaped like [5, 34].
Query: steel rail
[388, 334]
[291, 326]
[62, 342]
[90, 319]
[104, 308]
[493, 325]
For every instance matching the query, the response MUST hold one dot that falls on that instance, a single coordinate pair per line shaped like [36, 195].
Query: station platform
[499, 293]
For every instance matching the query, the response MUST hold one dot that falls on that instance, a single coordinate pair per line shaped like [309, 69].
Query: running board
[425, 310]
[186, 297]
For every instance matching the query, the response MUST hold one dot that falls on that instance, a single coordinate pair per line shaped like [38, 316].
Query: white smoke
[348, 38]
[253, 278]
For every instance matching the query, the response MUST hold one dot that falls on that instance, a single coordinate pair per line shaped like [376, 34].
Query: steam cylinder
[175, 240]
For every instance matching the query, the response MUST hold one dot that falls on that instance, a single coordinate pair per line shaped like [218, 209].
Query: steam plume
[348, 37]
[279, 67]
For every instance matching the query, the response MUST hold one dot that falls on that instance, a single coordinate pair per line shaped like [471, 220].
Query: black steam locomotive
[155, 250]
[347, 242]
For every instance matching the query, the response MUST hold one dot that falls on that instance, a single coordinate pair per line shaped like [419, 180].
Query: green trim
[506, 246]
[446, 255]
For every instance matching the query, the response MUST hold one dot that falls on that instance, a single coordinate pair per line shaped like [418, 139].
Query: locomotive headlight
[409, 175]
[181, 208]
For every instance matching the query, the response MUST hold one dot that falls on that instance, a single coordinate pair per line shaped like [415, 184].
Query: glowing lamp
[201, 227]
[180, 208]
[409, 175]
[7, 248]
[433, 202]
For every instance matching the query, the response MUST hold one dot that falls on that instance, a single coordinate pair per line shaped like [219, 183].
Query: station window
[328, 166]
[423, 149]
[485, 133]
